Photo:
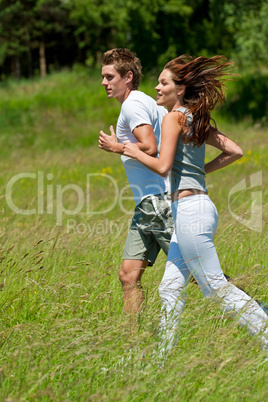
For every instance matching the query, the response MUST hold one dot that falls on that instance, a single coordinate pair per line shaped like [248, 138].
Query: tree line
[41, 36]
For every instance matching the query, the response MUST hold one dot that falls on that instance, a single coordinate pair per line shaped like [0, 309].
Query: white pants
[192, 253]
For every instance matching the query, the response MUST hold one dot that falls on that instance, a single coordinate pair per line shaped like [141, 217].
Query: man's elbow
[152, 151]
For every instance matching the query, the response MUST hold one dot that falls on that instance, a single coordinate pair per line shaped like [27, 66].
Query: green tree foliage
[155, 29]
[98, 25]
[15, 27]
[34, 33]
[241, 30]
[27, 25]
[159, 29]
[52, 26]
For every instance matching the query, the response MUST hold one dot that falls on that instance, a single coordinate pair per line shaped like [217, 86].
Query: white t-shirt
[138, 109]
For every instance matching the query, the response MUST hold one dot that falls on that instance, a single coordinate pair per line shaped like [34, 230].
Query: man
[139, 121]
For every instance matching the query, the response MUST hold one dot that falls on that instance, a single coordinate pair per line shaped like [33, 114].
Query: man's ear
[129, 77]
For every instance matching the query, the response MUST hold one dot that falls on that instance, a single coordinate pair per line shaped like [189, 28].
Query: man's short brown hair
[123, 61]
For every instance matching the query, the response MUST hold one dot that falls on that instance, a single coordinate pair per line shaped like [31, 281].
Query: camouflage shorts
[151, 229]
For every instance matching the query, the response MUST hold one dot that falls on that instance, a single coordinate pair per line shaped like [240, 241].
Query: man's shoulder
[139, 96]
[137, 102]
[141, 99]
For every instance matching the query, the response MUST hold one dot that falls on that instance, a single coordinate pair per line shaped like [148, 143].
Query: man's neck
[125, 96]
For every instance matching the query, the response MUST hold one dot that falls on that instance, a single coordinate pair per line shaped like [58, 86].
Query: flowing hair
[203, 79]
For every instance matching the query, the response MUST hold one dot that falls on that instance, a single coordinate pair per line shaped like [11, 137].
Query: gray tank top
[188, 167]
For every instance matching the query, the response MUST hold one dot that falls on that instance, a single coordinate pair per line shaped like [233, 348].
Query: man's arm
[144, 134]
[146, 139]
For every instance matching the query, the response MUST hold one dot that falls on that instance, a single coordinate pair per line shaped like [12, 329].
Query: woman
[190, 88]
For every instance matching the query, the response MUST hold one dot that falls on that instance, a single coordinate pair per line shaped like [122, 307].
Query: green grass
[63, 331]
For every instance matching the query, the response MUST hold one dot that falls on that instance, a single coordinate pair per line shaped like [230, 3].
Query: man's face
[115, 85]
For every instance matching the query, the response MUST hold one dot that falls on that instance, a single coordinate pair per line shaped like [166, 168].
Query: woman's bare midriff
[177, 195]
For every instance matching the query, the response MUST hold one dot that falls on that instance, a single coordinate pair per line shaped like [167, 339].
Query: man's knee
[128, 278]
[123, 276]
[131, 272]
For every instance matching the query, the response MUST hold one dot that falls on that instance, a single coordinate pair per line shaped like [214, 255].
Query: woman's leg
[173, 296]
[171, 288]
[195, 224]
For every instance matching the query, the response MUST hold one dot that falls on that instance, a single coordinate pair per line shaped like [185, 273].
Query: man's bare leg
[130, 277]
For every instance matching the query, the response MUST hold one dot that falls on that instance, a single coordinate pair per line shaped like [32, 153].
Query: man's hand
[109, 143]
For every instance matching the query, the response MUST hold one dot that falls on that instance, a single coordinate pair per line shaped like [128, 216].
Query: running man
[139, 122]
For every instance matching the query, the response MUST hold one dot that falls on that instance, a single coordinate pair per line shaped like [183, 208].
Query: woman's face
[167, 91]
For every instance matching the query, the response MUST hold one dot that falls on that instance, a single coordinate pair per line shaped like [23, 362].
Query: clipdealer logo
[255, 189]
[50, 198]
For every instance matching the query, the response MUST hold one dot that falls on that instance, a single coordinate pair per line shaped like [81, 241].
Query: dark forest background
[39, 37]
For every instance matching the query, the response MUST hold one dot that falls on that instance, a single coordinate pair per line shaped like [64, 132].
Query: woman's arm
[169, 137]
[230, 151]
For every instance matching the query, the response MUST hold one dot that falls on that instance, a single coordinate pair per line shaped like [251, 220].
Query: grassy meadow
[65, 208]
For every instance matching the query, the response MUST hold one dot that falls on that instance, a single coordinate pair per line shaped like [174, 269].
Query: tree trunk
[15, 66]
[29, 61]
[42, 60]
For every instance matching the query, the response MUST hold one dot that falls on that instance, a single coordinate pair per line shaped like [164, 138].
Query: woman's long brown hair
[203, 79]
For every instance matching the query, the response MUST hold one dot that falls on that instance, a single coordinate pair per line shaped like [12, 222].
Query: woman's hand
[130, 149]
